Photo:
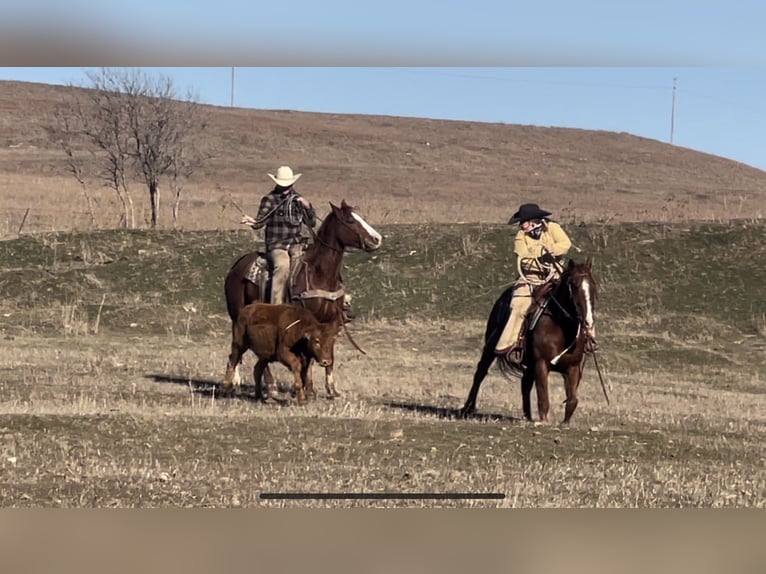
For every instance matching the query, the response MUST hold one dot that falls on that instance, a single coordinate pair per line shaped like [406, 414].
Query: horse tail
[498, 317]
[508, 369]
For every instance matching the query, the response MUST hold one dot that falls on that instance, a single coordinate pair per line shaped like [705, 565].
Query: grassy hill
[396, 170]
[670, 294]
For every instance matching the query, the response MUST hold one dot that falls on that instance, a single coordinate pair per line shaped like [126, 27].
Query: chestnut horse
[557, 341]
[317, 284]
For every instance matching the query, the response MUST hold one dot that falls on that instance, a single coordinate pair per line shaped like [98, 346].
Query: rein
[587, 351]
[331, 296]
[316, 237]
[569, 316]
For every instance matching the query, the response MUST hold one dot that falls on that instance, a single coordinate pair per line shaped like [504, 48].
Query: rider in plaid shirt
[282, 212]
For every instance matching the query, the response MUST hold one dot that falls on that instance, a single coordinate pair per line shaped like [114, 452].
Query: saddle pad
[259, 266]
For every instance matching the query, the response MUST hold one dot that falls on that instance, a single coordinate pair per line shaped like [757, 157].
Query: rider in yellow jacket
[538, 241]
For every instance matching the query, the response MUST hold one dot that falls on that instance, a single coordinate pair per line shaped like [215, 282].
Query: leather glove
[548, 258]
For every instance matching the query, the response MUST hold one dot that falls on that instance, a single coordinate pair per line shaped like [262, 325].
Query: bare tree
[139, 131]
[65, 133]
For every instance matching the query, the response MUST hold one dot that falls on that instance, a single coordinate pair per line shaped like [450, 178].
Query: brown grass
[397, 170]
[110, 422]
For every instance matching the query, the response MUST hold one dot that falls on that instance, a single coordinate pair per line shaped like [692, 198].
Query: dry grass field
[114, 342]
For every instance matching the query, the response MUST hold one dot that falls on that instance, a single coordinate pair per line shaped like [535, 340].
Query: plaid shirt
[283, 215]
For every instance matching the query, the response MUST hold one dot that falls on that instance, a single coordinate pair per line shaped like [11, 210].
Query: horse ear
[589, 262]
[343, 204]
[570, 264]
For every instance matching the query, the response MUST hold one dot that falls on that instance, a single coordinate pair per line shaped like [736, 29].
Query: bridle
[561, 307]
[350, 226]
[567, 276]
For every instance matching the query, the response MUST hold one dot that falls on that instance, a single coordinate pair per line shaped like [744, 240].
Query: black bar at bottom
[381, 495]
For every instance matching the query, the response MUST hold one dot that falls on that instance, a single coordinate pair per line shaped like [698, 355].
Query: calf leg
[306, 383]
[308, 379]
[293, 362]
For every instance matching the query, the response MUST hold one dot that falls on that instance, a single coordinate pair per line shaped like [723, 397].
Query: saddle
[540, 297]
[260, 274]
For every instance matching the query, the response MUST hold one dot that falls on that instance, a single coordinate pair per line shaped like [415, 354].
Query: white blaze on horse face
[368, 228]
[588, 305]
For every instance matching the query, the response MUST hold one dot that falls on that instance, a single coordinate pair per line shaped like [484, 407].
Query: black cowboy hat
[528, 211]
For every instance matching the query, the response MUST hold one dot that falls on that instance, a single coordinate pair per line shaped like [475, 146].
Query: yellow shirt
[553, 239]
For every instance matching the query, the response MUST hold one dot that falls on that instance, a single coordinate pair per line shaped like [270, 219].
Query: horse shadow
[449, 413]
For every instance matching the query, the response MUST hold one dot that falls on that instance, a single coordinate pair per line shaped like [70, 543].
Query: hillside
[396, 170]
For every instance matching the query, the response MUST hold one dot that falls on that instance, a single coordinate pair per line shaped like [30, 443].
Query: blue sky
[594, 64]
[721, 111]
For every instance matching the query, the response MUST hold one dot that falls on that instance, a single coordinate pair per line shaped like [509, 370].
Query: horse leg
[296, 367]
[571, 382]
[541, 386]
[232, 374]
[236, 378]
[527, 382]
[482, 368]
[329, 382]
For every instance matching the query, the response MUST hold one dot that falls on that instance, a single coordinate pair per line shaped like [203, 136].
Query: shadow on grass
[450, 413]
[208, 388]
[205, 387]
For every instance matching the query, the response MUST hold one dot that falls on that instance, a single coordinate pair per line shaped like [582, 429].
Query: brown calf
[284, 333]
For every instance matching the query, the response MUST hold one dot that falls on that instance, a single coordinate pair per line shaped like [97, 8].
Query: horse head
[583, 291]
[354, 232]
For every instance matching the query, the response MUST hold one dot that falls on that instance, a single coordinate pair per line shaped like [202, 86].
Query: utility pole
[673, 112]
[232, 86]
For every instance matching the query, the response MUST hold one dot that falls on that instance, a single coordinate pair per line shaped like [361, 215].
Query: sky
[690, 71]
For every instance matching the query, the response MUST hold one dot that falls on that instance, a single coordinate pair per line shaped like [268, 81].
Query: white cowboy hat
[285, 176]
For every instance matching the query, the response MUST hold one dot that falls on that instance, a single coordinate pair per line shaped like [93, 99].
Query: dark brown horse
[317, 284]
[557, 341]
